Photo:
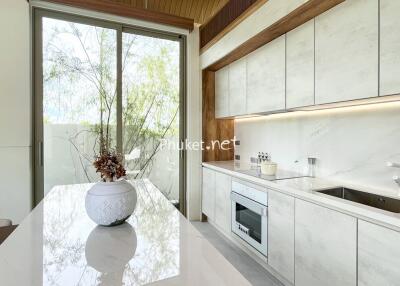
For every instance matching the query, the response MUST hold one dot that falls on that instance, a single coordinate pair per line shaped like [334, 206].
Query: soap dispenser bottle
[311, 166]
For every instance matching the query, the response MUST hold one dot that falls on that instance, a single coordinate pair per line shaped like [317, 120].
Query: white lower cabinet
[378, 255]
[311, 245]
[216, 201]
[208, 194]
[223, 201]
[325, 246]
[281, 234]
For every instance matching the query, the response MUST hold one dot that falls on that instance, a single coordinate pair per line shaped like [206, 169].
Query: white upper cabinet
[389, 47]
[300, 66]
[208, 194]
[222, 92]
[378, 255]
[237, 87]
[281, 234]
[325, 246]
[346, 52]
[266, 77]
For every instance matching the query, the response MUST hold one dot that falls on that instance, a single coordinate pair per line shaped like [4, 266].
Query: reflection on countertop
[57, 244]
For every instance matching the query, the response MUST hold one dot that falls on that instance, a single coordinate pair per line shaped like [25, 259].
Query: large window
[90, 73]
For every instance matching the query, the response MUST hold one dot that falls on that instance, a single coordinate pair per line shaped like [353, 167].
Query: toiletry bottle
[311, 167]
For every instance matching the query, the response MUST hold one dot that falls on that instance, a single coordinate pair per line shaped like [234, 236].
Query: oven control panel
[251, 191]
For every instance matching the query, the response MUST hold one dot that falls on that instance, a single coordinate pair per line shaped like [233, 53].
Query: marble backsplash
[351, 144]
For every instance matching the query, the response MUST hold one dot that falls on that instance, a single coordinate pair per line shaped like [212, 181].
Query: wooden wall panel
[225, 16]
[214, 129]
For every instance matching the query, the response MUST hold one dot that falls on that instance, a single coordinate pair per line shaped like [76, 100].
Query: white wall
[351, 144]
[194, 127]
[15, 111]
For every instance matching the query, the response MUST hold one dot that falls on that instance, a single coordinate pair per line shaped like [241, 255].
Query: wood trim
[214, 129]
[254, 7]
[124, 10]
[294, 19]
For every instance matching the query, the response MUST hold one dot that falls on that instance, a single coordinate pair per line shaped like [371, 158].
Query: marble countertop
[57, 244]
[304, 188]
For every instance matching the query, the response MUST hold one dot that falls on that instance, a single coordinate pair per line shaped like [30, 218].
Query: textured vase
[111, 203]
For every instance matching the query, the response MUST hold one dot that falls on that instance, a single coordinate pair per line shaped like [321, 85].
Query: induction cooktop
[280, 174]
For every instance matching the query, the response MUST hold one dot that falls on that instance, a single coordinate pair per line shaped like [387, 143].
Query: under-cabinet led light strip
[364, 105]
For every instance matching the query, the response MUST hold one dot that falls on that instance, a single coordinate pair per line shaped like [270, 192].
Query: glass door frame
[37, 86]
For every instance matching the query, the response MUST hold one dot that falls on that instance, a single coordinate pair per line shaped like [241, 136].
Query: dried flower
[109, 165]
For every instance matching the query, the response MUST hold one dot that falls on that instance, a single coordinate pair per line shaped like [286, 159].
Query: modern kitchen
[220, 142]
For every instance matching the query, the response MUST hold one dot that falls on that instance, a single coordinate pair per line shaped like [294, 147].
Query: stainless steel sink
[372, 200]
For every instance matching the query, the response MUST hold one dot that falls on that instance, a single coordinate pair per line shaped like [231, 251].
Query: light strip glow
[319, 110]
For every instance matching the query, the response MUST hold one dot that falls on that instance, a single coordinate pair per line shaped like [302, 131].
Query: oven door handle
[250, 204]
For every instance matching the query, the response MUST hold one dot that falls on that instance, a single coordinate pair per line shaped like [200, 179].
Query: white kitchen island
[57, 244]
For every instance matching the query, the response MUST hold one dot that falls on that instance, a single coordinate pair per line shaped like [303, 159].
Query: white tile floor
[250, 269]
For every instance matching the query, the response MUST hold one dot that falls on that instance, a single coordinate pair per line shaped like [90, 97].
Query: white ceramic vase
[111, 203]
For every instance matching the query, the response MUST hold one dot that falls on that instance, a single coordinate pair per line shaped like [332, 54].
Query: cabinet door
[325, 246]
[266, 77]
[300, 66]
[389, 47]
[223, 201]
[346, 52]
[378, 255]
[222, 92]
[281, 234]
[208, 194]
[237, 87]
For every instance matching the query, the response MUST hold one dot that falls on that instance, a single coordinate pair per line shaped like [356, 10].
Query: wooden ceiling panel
[209, 10]
[178, 7]
[199, 10]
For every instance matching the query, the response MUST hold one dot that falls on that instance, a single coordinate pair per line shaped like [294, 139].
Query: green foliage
[80, 86]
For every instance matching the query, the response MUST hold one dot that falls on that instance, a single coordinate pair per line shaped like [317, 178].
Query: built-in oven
[250, 214]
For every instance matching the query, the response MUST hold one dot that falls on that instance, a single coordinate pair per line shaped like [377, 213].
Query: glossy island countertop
[305, 188]
[57, 244]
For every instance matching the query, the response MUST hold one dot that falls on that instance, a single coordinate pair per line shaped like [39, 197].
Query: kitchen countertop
[303, 188]
[57, 244]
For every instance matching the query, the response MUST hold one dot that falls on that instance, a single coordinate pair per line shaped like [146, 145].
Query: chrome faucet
[396, 178]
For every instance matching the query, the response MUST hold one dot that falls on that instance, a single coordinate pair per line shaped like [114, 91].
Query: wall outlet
[237, 157]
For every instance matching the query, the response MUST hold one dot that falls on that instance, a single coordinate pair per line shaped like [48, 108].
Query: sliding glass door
[90, 73]
[150, 100]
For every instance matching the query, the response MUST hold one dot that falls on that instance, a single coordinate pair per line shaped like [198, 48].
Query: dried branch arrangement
[109, 163]
[110, 166]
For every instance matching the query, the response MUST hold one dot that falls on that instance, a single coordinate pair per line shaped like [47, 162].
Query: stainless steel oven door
[250, 222]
